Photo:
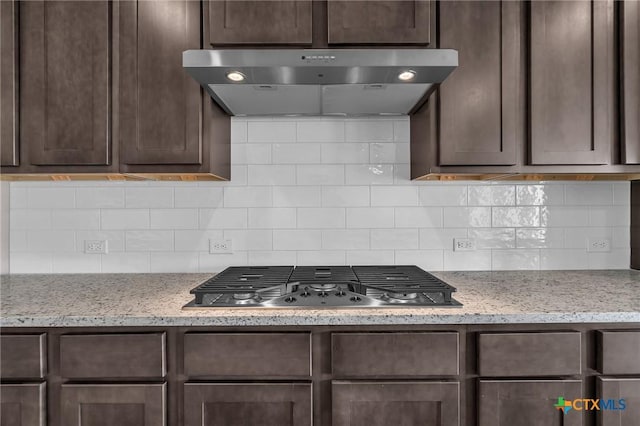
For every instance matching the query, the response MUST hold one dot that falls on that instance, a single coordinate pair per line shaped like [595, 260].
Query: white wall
[317, 191]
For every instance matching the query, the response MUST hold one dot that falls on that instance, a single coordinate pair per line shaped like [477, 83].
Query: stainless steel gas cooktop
[323, 287]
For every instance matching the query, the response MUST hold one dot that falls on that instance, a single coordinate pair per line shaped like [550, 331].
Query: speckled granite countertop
[156, 300]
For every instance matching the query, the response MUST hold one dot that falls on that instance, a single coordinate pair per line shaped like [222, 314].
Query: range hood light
[407, 75]
[235, 76]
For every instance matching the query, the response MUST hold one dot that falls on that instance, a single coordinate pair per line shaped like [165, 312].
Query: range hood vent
[349, 82]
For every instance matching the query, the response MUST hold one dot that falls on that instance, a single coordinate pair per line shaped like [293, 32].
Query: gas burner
[323, 287]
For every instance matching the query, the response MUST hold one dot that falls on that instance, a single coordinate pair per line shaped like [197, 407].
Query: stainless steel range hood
[319, 82]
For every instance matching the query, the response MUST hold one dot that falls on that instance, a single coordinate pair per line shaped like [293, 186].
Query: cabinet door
[160, 104]
[395, 403]
[8, 83]
[113, 404]
[611, 392]
[65, 81]
[481, 102]
[379, 21]
[572, 81]
[264, 404]
[630, 80]
[238, 22]
[527, 402]
[22, 405]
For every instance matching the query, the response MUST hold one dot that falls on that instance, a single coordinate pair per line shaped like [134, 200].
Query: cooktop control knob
[340, 293]
[289, 299]
[305, 293]
[323, 294]
[355, 299]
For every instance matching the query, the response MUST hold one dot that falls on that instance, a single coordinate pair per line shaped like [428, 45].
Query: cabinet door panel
[572, 82]
[618, 352]
[8, 83]
[160, 105]
[617, 389]
[527, 402]
[630, 81]
[395, 403]
[113, 404]
[379, 22]
[259, 22]
[22, 404]
[23, 356]
[65, 63]
[247, 404]
[482, 102]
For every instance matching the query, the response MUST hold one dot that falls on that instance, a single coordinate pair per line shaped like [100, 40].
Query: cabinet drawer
[619, 352]
[394, 354]
[247, 354]
[529, 354]
[23, 356]
[112, 355]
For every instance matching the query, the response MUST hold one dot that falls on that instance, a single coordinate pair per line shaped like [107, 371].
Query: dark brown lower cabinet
[616, 389]
[113, 404]
[22, 404]
[247, 404]
[527, 402]
[395, 403]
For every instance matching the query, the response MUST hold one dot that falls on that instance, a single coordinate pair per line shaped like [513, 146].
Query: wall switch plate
[598, 244]
[95, 246]
[220, 246]
[464, 244]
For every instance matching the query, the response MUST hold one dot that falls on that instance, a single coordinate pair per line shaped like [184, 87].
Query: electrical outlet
[464, 244]
[95, 246]
[220, 246]
[598, 244]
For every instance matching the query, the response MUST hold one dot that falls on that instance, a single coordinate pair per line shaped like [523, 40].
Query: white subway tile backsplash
[148, 197]
[440, 238]
[316, 191]
[370, 217]
[296, 153]
[173, 219]
[149, 240]
[77, 219]
[99, 197]
[47, 198]
[394, 238]
[463, 217]
[272, 218]
[271, 132]
[223, 218]
[492, 195]
[125, 262]
[345, 239]
[296, 196]
[344, 153]
[297, 239]
[369, 174]
[370, 257]
[195, 197]
[345, 196]
[418, 217]
[515, 216]
[321, 217]
[246, 196]
[320, 174]
[443, 195]
[394, 196]
[124, 219]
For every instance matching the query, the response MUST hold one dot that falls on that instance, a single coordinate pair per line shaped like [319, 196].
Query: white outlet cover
[96, 246]
[220, 246]
[598, 245]
[464, 244]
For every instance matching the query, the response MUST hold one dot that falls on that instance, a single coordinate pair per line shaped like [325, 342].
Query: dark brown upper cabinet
[379, 22]
[8, 83]
[481, 104]
[572, 82]
[65, 82]
[239, 22]
[630, 80]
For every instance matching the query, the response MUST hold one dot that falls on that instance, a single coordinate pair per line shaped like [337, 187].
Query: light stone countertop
[86, 300]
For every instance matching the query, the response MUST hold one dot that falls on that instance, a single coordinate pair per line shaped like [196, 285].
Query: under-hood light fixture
[407, 75]
[235, 76]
